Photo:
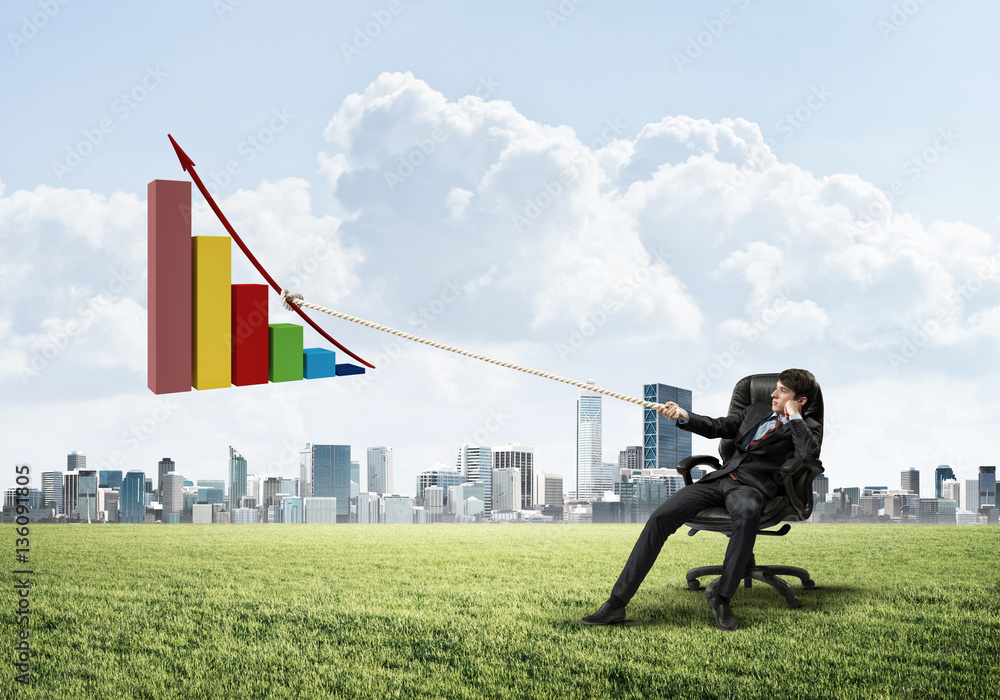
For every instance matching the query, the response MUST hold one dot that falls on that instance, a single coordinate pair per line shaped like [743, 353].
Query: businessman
[766, 436]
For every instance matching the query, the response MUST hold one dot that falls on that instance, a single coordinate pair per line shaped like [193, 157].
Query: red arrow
[188, 166]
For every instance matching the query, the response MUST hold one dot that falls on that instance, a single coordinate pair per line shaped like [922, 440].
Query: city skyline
[927, 487]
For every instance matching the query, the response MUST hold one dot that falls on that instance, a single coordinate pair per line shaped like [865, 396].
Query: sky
[624, 192]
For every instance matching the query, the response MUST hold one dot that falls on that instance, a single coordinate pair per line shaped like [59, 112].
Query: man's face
[781, 396]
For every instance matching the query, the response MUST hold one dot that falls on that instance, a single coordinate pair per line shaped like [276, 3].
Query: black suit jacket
[759, 466]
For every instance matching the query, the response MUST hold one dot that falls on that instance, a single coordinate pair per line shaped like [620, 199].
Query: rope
[288, 298]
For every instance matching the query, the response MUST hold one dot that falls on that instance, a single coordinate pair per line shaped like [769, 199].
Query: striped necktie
[765, 436]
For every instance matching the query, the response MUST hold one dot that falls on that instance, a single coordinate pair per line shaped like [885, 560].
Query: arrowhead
[186, 162]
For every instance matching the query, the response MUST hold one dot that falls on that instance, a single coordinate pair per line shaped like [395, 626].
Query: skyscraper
[434, 502]
[821, 487]
[630, 458]
[130, 499]
[237, 478]
[269, 490]
[987, 487]
[331, 465]
[589, 444]
[547, 494]
[439, 475]
[506, 489]
[972, 495]
[476, 464]
[87, 495]
[305, 471]
[173, 495]
[355, 489]
[515, 455]
[951, 490]
[70, 490]
[52, 490]
[909, 480]
[663, 444]
[942, 473]
[380, 470]
[76, 461]
[165, 467]
[109, 479]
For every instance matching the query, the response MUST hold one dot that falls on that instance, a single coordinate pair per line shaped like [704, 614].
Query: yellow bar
[211, 304]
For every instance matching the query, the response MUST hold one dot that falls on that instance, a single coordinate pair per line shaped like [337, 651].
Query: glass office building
[331, 467]
[663, 444]
[131, 502]
[589, 446]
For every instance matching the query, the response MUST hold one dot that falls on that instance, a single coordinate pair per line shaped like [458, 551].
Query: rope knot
[288, 297]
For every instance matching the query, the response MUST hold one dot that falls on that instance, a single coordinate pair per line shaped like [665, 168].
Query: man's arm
[807, 436]
[727, 427]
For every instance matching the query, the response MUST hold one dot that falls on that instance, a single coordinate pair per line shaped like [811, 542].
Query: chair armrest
[685, 466]
[789, 470]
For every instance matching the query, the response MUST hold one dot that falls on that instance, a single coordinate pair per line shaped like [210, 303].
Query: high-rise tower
[380, 470]
[663, 443]
[589, 465]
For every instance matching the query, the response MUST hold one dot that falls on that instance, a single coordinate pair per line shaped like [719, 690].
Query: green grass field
[346, 611]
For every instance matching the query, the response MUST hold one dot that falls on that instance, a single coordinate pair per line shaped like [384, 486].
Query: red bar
[249, 334]
[168, 328]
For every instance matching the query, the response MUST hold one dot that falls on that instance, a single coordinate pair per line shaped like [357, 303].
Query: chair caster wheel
[694, 584]
[809, 584]
[794, 602]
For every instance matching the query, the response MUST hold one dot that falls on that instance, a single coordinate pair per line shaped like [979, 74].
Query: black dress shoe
[606, 615]
[723, 614]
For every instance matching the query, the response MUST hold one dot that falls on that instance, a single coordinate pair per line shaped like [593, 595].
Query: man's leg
[745, 504]
[664, 521]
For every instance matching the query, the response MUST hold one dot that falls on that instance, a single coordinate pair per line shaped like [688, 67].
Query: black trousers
[744, 503]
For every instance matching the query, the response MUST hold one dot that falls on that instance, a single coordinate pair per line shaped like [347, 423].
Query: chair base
[764, 574]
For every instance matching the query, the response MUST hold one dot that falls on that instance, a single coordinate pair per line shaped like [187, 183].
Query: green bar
[284, 357]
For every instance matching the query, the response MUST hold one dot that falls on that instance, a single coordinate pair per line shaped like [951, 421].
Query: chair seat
[717, 518]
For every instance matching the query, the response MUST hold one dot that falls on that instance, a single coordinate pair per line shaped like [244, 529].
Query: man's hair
[802, 382]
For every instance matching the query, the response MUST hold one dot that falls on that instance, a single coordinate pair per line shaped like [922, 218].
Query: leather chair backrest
[757, 388]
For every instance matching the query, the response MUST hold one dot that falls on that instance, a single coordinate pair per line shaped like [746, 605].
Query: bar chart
[204, 331]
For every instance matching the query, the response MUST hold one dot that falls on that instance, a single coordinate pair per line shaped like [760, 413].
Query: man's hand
[792, 407]
[673, 411]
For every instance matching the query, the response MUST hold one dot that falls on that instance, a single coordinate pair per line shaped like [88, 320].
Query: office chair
[795, 504]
